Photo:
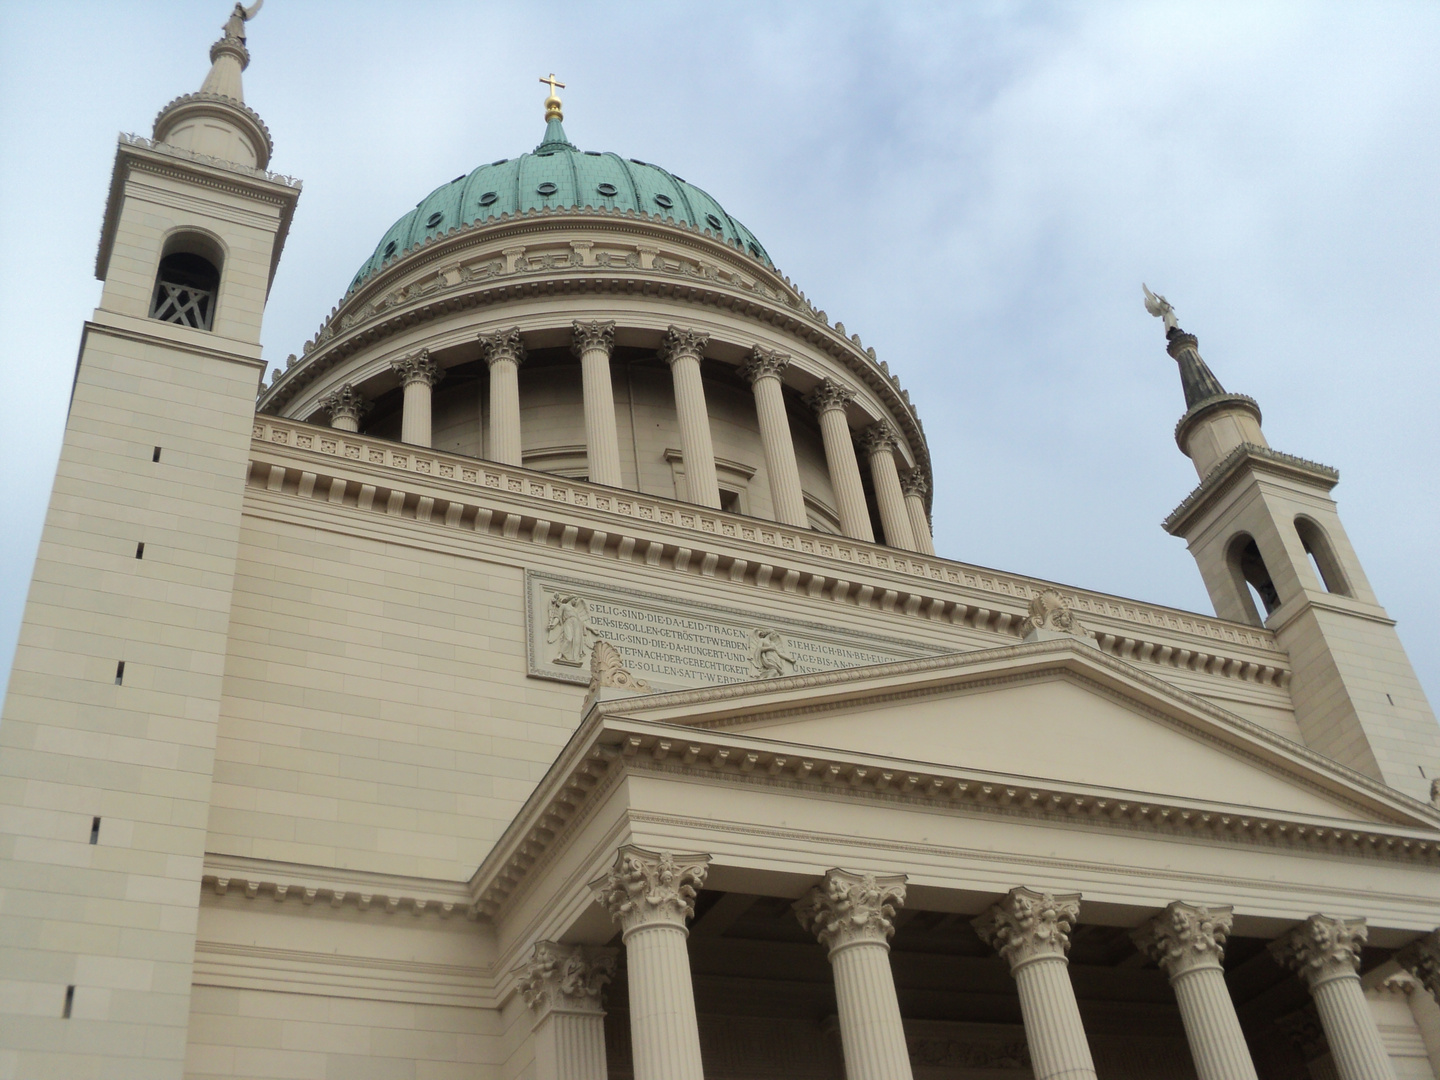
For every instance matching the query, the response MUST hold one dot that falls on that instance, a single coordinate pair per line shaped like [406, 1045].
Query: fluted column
[853, 915]
[1188, 942]
[1032, 931]
[345, 406]
[651, 894]
[1326, 953]
[592, 344]
[829, 400]
[418, 374]
[504, 351]
[879, 442]
[765, 370]
[562, 984]
[915, 487]
[682, 350]
[1422, 959]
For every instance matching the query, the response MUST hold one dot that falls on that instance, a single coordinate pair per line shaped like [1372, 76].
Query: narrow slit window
[95, 830]
[69, 1002]
[140, 550]
[156, 455]
[120, 673]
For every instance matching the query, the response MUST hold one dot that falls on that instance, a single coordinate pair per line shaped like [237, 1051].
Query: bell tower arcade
[108, 740]
[1267, 536]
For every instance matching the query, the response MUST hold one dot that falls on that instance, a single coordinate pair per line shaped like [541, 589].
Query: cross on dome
[552, 103]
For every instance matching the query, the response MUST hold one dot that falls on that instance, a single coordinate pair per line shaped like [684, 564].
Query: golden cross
[553, 83]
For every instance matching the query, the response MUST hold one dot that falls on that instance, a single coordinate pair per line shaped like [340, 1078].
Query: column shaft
[664, 1032]
[695, 442]
[570, 1046]
[1211, 1026]
[919, 522]
[602, 442]
[345, 422]
[829, 402]
[415, 419]
[1053, 1028]
[1350, 1029]
[784, 475]
[870, 1026]
[504, 411]
[894, 517]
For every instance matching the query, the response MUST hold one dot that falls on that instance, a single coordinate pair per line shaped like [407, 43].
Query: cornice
[1225, 474]
[416, 489]
[171, 336]
[357, 890]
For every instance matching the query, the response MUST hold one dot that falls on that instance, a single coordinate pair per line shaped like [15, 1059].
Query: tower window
[187, 283]
[1322, 556]
[1252, 576]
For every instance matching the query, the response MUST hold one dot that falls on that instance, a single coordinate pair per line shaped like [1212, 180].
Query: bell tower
[1267, 536]
[108, 739]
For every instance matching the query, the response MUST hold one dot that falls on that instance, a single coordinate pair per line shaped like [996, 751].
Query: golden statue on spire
[552, 103]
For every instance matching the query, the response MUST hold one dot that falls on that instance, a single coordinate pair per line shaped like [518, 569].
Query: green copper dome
[559, 176]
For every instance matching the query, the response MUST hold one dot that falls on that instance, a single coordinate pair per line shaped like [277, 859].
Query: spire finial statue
[235, 25]
[1160, 308]
[552, 103]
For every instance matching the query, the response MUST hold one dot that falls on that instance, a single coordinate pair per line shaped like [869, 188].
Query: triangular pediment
[1057, 712]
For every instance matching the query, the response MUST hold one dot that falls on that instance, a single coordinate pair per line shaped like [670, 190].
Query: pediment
[1054, 712]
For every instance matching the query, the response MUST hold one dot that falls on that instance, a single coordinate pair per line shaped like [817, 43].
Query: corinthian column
[829, 400]
[651, 894]
[592, 344]
[1326, 953]
[345, 406]
[418, 374]
[1188, 942]
[853, 916]
[764, 371]
[915, 487]
[1032, 931]
[682, 350]
[879, 442]
[504, 352]
[562, 984]
[1422, 959]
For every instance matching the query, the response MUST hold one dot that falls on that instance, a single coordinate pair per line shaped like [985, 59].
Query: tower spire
[554, 133]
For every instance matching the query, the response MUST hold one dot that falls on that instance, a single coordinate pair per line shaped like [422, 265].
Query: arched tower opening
[1252, 577]
[187, 281]
[1322, 556]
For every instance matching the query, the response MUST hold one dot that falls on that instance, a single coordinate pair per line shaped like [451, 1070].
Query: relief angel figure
[770, 654]
[235, 25]
[568, 629]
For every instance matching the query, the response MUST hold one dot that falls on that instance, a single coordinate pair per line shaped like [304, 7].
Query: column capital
[914, 483]
[417, 368]
[344, 401]
[764, 363]
[649, 888]
[829, 395]
[592, 335]
[848, 908]
[1185, 937]
[679, 343]
[1422, 959]
[879, 438]
[1322, 948]
[565, 978]
[1029, 925]
[503, 345]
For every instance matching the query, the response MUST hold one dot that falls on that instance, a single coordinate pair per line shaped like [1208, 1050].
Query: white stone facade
[521, 692]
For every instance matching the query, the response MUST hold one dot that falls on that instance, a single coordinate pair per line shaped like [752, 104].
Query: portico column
[651, 894]
[765, 370]
[504, 351]
[1032, 931]
[592, 344]
[682, 350]
[915, 487]
[1422, 959]
[1326, 953]
[879, 442]
[853, 916]
[1188, 942]
[562, 984]
[418, 374]
[345, 407]
[829, 400]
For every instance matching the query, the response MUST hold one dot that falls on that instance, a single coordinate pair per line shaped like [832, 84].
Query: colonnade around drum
[900, 501]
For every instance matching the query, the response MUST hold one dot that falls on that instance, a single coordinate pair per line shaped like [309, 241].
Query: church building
[548, 674]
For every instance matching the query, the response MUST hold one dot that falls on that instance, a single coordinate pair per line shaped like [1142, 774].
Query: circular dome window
[488, 199]
[665, 201]
[715, 222]
[608, 190]
[434, 219]
[547, 188]
[389, 249]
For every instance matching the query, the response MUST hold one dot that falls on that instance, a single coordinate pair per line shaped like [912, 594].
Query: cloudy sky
[977, 189]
